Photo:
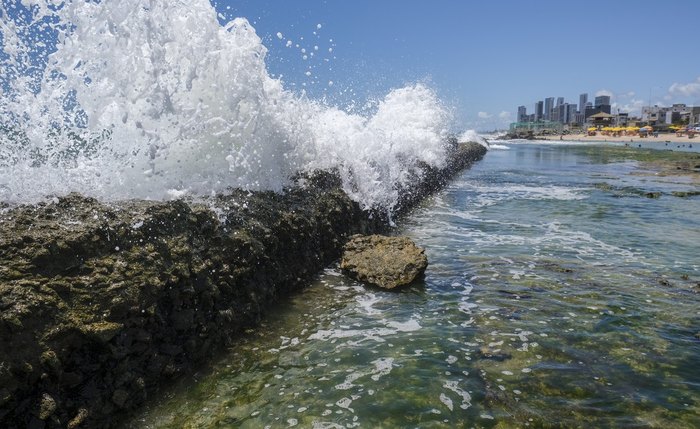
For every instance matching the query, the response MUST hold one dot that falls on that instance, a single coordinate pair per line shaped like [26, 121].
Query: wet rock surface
[387, 262]
[100, 302]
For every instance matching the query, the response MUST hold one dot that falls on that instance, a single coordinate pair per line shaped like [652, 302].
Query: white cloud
[686, 89]
[484, 115]
[634, 106]
[604, 92]
[505, 115]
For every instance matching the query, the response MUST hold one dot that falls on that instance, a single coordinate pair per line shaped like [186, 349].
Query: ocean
[563, 291]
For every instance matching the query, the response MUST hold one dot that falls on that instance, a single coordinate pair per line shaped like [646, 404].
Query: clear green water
[557, 296]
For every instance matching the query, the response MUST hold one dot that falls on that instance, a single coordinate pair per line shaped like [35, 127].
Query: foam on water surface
[159, 100]
[520, 313]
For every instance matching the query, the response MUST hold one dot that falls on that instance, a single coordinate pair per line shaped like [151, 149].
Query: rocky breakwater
[99, 302]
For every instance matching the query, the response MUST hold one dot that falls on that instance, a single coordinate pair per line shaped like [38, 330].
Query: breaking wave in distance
[149, 99]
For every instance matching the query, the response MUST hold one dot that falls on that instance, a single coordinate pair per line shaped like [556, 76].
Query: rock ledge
[100, 303]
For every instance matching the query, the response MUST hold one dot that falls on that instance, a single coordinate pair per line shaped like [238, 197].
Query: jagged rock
[387, 262]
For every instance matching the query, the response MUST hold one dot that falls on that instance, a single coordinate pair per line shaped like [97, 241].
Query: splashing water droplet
[198, 112]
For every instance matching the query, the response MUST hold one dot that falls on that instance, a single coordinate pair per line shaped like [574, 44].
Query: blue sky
[484, 57]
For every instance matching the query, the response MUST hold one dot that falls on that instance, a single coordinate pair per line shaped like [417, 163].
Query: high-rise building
[522, 114]
[556, 114]
[602, 100]
[570, 113]
[565, 113]
[582, 100]
[602, 104]
[548, 106]
[539, 111]
[560, 101]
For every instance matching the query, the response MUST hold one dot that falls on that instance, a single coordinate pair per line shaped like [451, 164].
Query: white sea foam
[158, 100]
[366, 303]
[494, 194]
[447, 401]
[466, 397]
[382, 367]
[410, 325]
[374, 334]
[473, 136]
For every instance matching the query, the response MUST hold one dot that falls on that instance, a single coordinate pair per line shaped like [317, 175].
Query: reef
[101, 302]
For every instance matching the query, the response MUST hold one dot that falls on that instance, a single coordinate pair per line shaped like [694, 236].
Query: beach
[662, 138]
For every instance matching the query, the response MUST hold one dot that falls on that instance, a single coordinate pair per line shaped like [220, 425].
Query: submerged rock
[387, 262]
[685, 194]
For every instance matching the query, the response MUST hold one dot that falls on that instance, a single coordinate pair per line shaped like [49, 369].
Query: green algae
[589, 356]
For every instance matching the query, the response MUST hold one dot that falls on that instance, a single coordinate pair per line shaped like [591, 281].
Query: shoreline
[661, 139]
[657, 156]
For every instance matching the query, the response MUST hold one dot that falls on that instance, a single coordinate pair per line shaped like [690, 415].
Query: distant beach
[662, 138]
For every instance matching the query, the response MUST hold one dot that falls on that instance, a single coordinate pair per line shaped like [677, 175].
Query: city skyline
[484, 58]
[481, 58]
[564, 115]
[636, 108]
[565, 112]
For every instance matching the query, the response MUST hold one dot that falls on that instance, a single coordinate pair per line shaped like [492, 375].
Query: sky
[484, 58]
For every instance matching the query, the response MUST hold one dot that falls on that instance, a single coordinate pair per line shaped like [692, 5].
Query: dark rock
[99, 298]
[664, 282]
[49, 360]
[383, 261]
[119, 397]
[685, 194]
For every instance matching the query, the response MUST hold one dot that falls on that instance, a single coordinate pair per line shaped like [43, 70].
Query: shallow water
[557, 296]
